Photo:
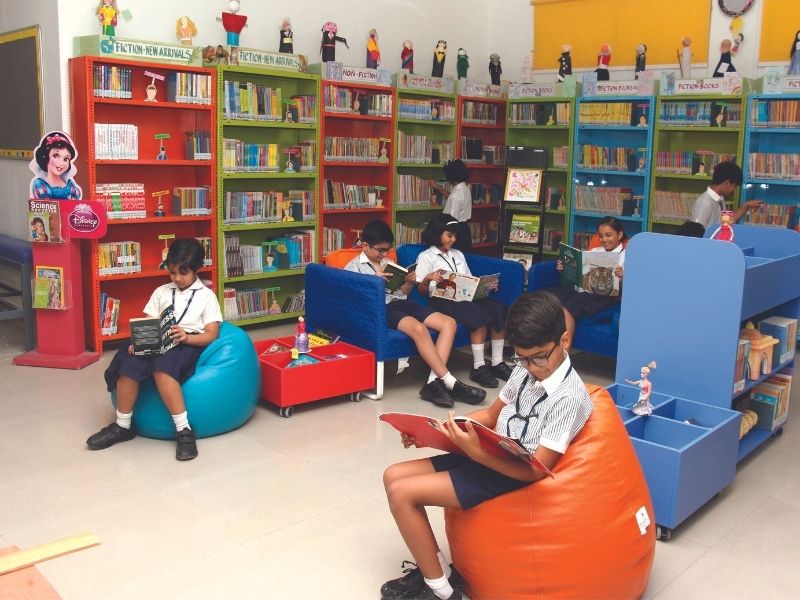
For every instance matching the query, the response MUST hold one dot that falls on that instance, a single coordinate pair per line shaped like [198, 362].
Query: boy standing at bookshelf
[414, 319]
[707, 209]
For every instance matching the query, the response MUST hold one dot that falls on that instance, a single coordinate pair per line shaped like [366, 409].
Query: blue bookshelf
[613, 139]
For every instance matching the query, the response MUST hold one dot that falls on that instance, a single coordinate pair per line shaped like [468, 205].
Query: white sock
[431, 377]
[441, 587]
[445, 565]
[124, 419]
[181, 421]
[449, 380]
[477, 355]
[497, 351]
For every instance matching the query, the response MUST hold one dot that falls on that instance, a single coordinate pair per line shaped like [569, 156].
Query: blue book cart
[685, 300]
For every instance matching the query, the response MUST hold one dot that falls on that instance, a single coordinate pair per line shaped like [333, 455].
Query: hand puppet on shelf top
[641, 59]
[185, 29]
[794, 55]
[233, 23]
[564, 62]
[495, 68]
[724, 65]
[329, 38]
[603, 60]
[462, 63]
[439, 56]
[724, 232]
[407, 56]
[373, 50]
[286, 45]
[107, 14]
[685, 58]
[526, 70]
[643, 406]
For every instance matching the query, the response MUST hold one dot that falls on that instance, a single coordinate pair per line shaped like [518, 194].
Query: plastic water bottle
[301, 336]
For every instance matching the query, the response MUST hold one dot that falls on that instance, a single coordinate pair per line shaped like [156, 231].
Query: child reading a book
[414, 319]
[725, 180]
[484, 318]
[544, 405]
[459, 201]
[578, 304]
[197, 318]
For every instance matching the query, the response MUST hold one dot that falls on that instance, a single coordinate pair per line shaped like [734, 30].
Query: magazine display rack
[685, 301]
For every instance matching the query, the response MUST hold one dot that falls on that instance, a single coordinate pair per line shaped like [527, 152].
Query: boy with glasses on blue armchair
[544, 404]
[414, 319]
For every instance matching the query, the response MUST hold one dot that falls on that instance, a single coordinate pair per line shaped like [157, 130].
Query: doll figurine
[233, 23]
[564, 62]
[738, 40]
[641, 59]
[603, 60]
[495, 68]
[439, 56]
[643, 406]
[724, 65]
[685, 58]
[407, 56]
[185, 29]
[107, 13]
[329, 38]
[373, 50]
[724, 232]
[794, 56]
[462, 63]
[286, 45]
[526, 70]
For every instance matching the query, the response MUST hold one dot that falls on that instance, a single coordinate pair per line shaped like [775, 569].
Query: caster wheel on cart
[355, 397]
[663, 533]
[778, 432]
[286, 411]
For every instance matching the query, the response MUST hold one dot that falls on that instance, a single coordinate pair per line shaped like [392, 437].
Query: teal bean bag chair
[221, 395]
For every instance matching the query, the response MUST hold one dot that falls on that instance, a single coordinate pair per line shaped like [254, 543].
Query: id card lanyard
[532, 414]
[183, 314]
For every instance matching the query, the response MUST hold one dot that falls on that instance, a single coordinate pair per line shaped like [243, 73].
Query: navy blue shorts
[473, 482]
[178, 363]
[582, 304]
[398, 309]
[474, 315]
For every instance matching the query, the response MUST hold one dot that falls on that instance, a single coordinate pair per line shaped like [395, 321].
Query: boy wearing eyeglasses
[544, 404]
[414, 319]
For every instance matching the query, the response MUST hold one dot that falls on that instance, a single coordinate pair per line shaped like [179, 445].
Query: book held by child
[398, 274]
[151, 335]
[464, 288]
[589, 271]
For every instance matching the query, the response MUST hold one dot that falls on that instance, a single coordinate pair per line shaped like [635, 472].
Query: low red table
[286, 387]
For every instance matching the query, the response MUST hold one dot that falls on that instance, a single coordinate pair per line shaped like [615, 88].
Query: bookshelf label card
[531, 90]
[698, 86]
[791, 83]
[617, 88]
[104, 45]
[364, 75]
[481, 90]
[273, 60]
[411, 81]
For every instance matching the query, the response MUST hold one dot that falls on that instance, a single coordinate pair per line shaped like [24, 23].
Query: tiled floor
[294, 508]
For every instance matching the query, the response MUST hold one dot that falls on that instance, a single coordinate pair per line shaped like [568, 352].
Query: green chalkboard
[21, 100]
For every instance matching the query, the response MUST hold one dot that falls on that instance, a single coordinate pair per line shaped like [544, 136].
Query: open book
[465, 288]
[588, 271]
[421, 429]
[151, 335]
[399, 273]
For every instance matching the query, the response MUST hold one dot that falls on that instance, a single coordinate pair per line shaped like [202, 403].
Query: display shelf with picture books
[269, 161]
[523, 208]
[481, 135]
[693, 133]
[545, 122]
[772, 168]
[611, 163]
[156, 177]
[357, 173]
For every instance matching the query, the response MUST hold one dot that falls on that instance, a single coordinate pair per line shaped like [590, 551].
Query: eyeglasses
[536, 361]
[380, 250]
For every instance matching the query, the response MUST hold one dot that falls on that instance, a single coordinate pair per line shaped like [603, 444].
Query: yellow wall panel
[587, 24]
[779, 25]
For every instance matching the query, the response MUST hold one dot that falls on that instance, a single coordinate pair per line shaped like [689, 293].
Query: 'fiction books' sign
[103, 45]
[410, 81]
[531, 90]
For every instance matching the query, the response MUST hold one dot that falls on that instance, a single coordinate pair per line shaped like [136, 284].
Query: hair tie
[451, 223]
[57, 137]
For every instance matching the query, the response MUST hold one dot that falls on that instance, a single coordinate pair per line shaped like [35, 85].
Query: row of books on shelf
[349, 149]
[613, 113]
[239, 156]
[332, 239]
[473, 150]
[551, 238]
[419, 149]
[776, 113]
[116, 141]
[479, 113]
[268, 206]
[427, 110]
[251, 101]
[770, 401]
[122, 200]
[294, 250]
[415, 191]
[556, 198]
[606, 158]
[486, 193]
[772, 215]
[673, 205]
[407, 234]
[111, 81]
[774, 166]
[708, 113]
[763, 351]
[345, 196]
[557, 113]
[191, 201]
[560, 157]
[252, 303]
[208, 257]
[117, 258]
[189, 88]
[582, 239]
[197, 145]
[109, 314]
[701, 162]
[347, 100]
[607, 200]
[484, 233]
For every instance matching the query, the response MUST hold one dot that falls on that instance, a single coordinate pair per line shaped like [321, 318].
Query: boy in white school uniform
[707, 209]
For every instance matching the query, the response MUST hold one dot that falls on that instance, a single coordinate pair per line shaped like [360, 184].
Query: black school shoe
[501, 371]
[483, 377]
[412, 584]
[436, 392]
[110, 435]
[467, 393]
[187, 446]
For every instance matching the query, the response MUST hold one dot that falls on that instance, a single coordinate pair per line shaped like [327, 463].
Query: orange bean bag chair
[573, 536]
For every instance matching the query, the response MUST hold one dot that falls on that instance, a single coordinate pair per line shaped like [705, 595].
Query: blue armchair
[352, 305]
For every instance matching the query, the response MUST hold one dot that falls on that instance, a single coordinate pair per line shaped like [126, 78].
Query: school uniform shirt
[559, 407]
[707, 209]
[619, 250]
[361, 264]
[197, 304]
[433, 259]
[459, 203]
